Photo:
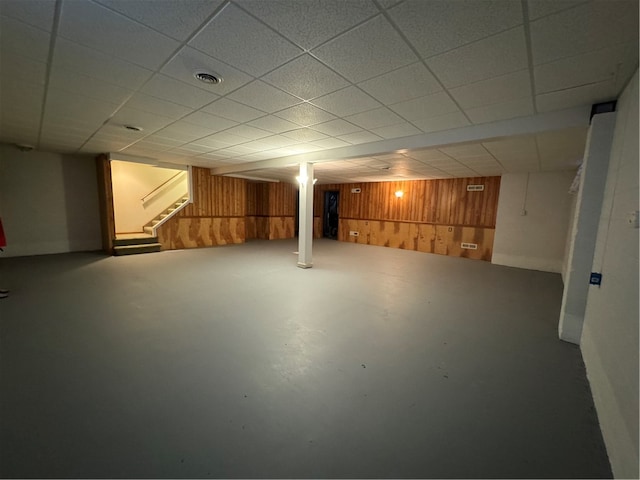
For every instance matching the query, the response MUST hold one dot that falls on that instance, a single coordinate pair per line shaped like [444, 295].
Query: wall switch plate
[595, 279]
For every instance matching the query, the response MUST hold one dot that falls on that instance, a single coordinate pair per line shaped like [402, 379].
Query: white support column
[585, 226]
[305, 209]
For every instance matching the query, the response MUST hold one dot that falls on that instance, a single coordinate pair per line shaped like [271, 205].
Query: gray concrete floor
[232, 362]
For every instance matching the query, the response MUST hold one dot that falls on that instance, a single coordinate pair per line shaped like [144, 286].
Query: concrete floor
[232, 362]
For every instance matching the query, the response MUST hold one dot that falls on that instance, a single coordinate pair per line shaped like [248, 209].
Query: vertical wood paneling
[105, 202]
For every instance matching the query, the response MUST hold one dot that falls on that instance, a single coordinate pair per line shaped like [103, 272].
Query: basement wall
[48, 202]
[536, 240]
[432, 216]
[609, 340]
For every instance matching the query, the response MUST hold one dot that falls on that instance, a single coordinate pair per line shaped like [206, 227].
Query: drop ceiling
[310, 76]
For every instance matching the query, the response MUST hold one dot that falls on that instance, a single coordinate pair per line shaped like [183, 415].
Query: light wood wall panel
[195, 232]
[429, 238]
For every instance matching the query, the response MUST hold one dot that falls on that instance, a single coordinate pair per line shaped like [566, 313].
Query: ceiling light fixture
[209, 78]
[399, 193]
[302, 180]
[133, 128]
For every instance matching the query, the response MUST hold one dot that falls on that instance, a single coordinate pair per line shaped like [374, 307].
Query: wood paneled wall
[215, 217]
[444, 201]
[434, 216]
[105, 203]
[271, 210]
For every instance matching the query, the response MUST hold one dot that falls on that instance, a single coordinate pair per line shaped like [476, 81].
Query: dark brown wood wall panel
[105, 202]
[282, 199]
[228, 196]
[444, 201]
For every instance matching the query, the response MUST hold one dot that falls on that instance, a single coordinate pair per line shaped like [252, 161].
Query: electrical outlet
[595, 278]
[633, 219]
[353, 234]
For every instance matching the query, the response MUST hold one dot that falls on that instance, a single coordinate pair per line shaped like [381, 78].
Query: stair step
[148, 230]
[143, 239]
[135, 249]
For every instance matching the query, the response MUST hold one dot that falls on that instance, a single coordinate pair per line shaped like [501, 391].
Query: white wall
[536, 240]
[133, 181]
[48, 202]
[567, 247]
[609, 340]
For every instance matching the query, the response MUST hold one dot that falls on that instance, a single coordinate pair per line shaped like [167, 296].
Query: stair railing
[164, 185]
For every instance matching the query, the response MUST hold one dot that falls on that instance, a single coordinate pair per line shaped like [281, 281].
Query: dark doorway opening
[330, 218]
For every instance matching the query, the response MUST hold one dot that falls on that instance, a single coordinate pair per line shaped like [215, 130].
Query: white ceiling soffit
[303, 77]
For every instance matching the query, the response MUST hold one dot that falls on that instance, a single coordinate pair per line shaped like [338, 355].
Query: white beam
[543, 122]
[305, 215]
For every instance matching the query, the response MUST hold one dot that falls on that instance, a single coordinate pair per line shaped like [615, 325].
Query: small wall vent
[469, 246]
[356, 190]
[475, 188]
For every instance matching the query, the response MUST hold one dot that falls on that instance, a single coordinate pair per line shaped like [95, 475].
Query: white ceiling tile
[380, 50]
[78, 83]
[176, 91]
[403, 84]
[150, 104]
[273, 124]
[278, 141]
[20, 39]
[442, 122]
[184, 131]
[347, 101]
[592, 67]
[379, 117]
[542, 8]
[15, 68]
[520, 107]
[360, 137]
[588, 94]
[189, 61]
[247, 132]
[487, 58]
[145, 120]
[305, 135]
[211, 122]
[240, 40]
[71, 56]
[305, 115]
[493, 90]
[336, 127]
[37, 13]
[396, 131]
[436, 27]
[330, 142]
[264, 97]
[311, 22]
[225, 138]
[233, 110]
[90, 24]
[433, 105]
[176, 18]
[306, 78]
[89, 110]
[588, 27]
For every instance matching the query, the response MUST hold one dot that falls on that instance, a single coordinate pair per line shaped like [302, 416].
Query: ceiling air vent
[209, 78]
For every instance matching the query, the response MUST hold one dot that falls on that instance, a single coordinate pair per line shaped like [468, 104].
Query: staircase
[133, 243]
[148, 228]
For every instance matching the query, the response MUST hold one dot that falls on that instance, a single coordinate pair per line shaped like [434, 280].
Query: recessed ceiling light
[133, 128]
[208, 78]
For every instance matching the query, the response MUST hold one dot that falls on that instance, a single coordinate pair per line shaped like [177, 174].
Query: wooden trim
[105, 202]
[416, 222]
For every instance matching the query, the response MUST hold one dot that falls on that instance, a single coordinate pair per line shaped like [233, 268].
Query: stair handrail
[156, 190]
